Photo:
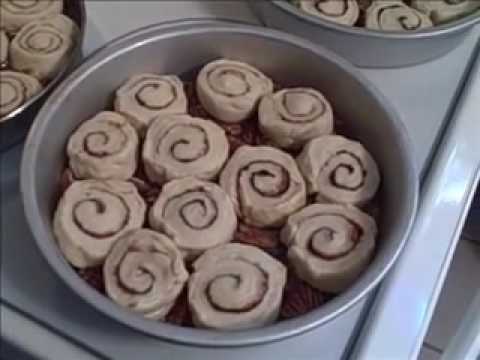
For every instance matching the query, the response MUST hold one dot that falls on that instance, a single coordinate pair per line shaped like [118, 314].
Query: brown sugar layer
[180, 313]
[299, 298]
[94, 277]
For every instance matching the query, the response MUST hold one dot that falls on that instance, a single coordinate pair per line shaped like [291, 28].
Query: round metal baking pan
[14, 126]
[364, 47]
[183, 48]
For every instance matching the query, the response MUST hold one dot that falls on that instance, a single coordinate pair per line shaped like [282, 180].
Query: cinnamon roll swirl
[329, 245]
[104, 147]
[92, 215]
[230, 90]
[4, 45]
[14, 14]
[264, 184]
[146, 96]
[15, 89]
[144, 272]
[344, 12]
[180, 146]
[199, 214]
[441, 11]
[339, 170]
[41, 46]
[235, 287]
[291, 117]
[394, 15]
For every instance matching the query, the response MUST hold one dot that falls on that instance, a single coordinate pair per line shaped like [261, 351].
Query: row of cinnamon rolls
[206, 192]
[389, 15]
[35, 41]
[232, 286]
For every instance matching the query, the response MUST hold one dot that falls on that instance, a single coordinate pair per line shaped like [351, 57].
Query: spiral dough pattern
[231, 90]
[329, 245]
[291, 117]
[180, 146]
[264, 184]
[145, 96]
[15, 89]
[198, 213]
[394, 15]
[339, 170]
[344, 12]
[42, 46]
[14, 14]
[144, 272]
[92, 215]
[104, 147]
[442, 11]
[235, 287]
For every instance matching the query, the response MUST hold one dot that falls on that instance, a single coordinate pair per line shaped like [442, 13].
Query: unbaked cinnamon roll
[344, 12]
[264, 184]
[146, 96]
[92, 215]
[40, 48]
[104, 147]
[394, 15]
[230, 90]
[180, 146]
[145, 273]
[4, 45]
[291, 117]
[14, 14]
[339, 170]
[236, 287]
[199, 214]
[329, 245]
[441, 11]
[15, 89]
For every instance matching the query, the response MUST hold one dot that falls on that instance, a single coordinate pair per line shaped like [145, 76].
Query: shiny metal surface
[364, 47]
[448, 192]
[36, 341]
[168, 49]
[14, 126]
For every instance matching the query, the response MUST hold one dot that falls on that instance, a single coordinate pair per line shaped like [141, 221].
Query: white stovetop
[404, 306]
[397, 324]
[110, 19]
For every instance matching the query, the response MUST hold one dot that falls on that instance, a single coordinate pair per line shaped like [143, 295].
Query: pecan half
[94, 277]
[66, 179]
[180, 313]
[299, 298]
